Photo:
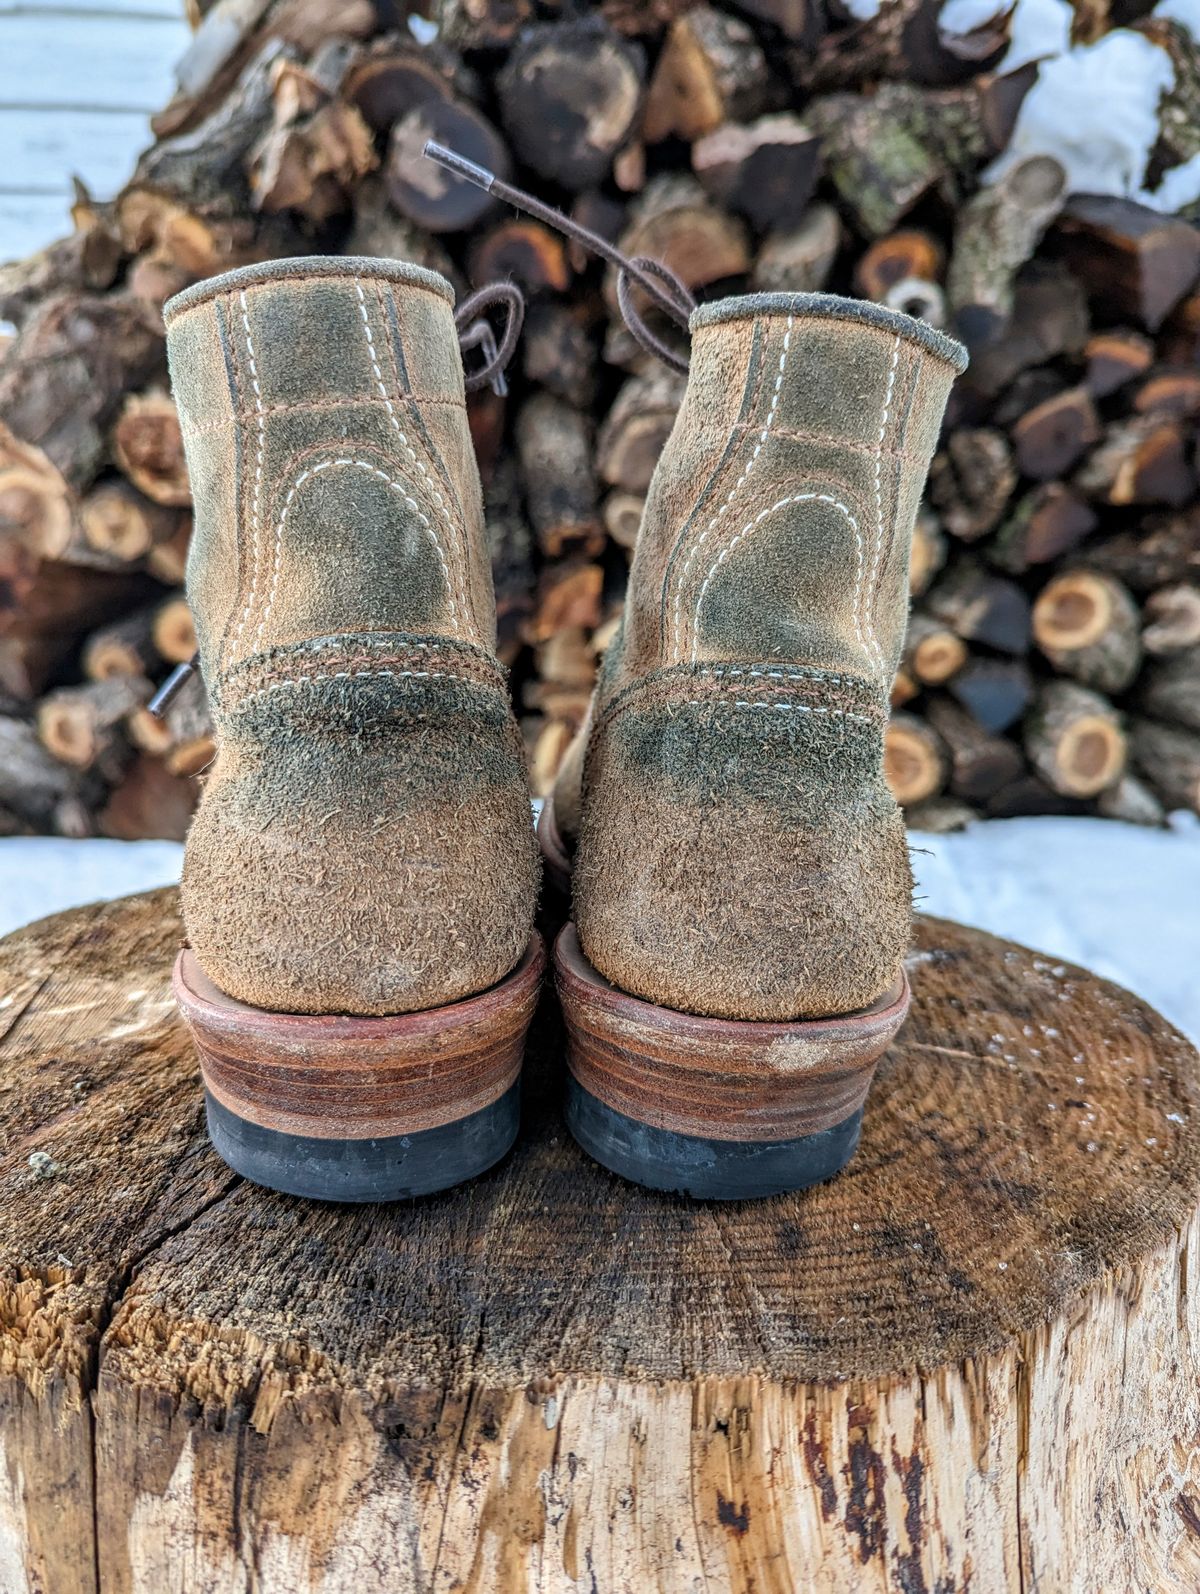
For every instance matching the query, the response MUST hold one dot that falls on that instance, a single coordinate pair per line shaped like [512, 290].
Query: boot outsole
[723, 1109]
[343, 1108]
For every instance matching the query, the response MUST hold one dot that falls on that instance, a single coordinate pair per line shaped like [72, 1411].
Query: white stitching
[348, 675]
[866, 591]
[733, 491]
[373, 470]
[396, 427]
[782, 503]
[796, 672]
[258, 464]
[781, 708]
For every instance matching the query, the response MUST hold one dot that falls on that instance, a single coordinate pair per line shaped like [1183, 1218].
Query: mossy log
[972, 1361]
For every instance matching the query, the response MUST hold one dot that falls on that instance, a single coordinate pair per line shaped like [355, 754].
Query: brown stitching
[363, 401]
[825, 439]
[663, 693]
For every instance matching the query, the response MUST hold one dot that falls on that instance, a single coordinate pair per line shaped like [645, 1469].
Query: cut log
[82, 725]
[149, 803]
[124, 647]
[522, 251]
[940, 816]
[675, 222]
[1172, 393]
[711, 70]
[426, 192]
[1132, 801]
[915, 765]
[1172, 619]
[1114, 359]
[928, 552]
[1049, 318]
[906, 253]
[1075, 741]
[800, 260]
[993, 1386]
[981, 607]
[181, 737]
[570, 93]
[46, 608]
[148, 447]
[559, 353]
[35, 787]
[970, 481]
[980, 763]
[554, 445]
[1145, 460]
[510, 545]
[623, 517]
[175, 630]
[1154, 555]
[1170, 689]
[36, 504]
[119, 521]
[1169, 758]
[568, 595]
[1044, 524]
[1050, 438]
[995, 234]
[1089, 627]
[1136, 263]
[995, 692]
[932, 651]
[765, 170]
[636, 428]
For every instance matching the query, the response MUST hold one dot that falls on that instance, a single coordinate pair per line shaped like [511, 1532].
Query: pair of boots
[361, 877]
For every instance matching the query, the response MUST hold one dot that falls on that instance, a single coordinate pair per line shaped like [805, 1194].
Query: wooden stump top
[1033, 1129]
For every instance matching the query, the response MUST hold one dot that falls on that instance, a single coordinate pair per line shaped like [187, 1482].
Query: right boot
[360, 878]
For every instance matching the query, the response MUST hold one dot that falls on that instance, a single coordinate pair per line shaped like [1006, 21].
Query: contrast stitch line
[782, 708]
[306, 406]
[795, 672]
[782, 503]
[396, 427]
[348, 675]
[681, 581]
[258, 466]
[868, 589]
[792, 434]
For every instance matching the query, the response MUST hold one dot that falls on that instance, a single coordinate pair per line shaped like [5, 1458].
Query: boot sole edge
[433, 1094]
[726, 1108]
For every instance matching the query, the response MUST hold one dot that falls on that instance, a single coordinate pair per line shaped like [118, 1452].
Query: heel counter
[364, 841]
[740, 853]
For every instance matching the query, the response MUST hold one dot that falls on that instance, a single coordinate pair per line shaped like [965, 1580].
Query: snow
[1118, 899]
[1185, 12]
[1095, 109]
[862, 10]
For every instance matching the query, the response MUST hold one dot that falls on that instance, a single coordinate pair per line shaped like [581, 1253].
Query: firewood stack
[1053, 657]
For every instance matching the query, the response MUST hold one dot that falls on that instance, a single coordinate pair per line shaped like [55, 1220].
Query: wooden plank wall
[79, 80]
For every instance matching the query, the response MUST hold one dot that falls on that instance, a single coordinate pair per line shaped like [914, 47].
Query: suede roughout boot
[741, 880]
[360, 879]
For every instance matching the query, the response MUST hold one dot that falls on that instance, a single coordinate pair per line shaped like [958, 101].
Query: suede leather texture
[738, 853]
[362, 844]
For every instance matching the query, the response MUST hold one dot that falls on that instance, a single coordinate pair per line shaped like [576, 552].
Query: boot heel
[362, 1109]
[721, 1109]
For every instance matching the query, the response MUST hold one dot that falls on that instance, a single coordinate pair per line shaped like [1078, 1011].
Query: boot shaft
[332, 471]
[778, 522]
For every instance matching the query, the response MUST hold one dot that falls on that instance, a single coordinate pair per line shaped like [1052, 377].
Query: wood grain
[971, 1362]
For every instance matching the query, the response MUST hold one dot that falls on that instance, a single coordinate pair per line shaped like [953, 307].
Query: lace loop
[475, 332]
[657, 281]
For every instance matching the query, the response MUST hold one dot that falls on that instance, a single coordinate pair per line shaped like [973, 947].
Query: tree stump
[970, 1362]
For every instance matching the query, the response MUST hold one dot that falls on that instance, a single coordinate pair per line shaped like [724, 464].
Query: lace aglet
[459, 165]
[172, 686]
